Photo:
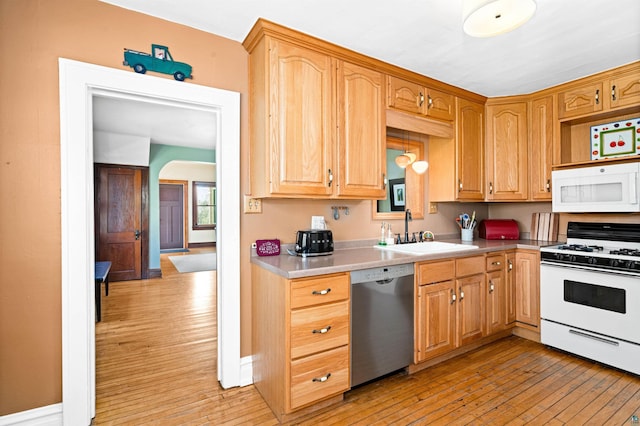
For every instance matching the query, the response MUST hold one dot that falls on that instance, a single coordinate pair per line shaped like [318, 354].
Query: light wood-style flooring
[156, 364]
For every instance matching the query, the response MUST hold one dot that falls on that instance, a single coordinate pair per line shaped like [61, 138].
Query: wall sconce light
[487, 18]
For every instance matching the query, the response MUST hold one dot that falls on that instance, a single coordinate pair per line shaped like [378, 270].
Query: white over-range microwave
[605, 188]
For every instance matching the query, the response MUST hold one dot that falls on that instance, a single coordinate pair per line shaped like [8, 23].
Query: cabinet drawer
[435, 272]
[495, 262]
[319, 376]
[317, 290]
[469, 266]
[319, 328]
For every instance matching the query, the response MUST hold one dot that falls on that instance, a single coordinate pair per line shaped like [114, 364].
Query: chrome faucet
[407, 219]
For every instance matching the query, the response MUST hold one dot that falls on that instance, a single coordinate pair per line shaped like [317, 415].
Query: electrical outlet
[433, 208]
[252, 205]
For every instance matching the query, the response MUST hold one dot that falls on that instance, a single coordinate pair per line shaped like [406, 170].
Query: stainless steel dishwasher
[381, 321]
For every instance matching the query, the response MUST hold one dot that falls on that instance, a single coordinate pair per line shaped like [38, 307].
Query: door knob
[137, 234]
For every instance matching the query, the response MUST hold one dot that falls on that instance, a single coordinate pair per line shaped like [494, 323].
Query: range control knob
[614, 262]
[592, 260]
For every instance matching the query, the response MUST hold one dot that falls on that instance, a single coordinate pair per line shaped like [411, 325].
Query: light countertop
[362, 255]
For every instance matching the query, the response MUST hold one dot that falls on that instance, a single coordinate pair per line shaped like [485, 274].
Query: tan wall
[33, 34]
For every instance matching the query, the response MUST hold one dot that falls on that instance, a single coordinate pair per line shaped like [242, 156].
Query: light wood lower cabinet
[450, 305]
[496, 293]
[528, 288]
[510, 287]
[300, 340]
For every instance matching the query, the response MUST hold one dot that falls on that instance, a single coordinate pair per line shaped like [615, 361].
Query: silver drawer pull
[321, 292]
[322, 330]
[599, 339]
[322, 379]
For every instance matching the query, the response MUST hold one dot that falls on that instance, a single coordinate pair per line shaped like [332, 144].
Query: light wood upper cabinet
[293, 132]
[624, 89]
[542, 146]
[507, 151]
[415, 98]
[465, 181]
[470, 150]
[585, 99]
[361, 132]
[317, 124]
[608, 91]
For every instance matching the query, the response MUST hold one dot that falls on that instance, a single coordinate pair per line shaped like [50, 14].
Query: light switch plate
[252, 205]
[433, 208]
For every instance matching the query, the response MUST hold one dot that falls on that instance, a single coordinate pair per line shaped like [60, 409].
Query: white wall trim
[78, 82]
[246, 371]
[50, 415]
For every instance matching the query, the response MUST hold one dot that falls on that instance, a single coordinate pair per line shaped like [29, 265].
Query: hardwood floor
[156, 364]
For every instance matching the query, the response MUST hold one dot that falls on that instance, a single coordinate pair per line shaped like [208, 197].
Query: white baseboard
[246, 371]
[50, 415]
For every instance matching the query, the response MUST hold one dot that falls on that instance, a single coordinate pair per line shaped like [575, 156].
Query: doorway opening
[79, 82]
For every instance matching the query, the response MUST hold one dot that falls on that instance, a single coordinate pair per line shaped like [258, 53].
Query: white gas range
[590, 293]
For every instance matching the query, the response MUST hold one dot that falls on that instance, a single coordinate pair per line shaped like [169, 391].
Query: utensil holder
[466, 234]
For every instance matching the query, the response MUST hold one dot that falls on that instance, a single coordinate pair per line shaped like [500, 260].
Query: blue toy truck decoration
[159, 60]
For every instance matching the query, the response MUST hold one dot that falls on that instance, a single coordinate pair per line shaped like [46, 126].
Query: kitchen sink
[429, 247]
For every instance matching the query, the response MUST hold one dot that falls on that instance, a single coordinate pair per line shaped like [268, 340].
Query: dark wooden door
[171, 216]
[120, 229]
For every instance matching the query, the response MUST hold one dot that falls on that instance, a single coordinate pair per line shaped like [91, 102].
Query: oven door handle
[599, 339]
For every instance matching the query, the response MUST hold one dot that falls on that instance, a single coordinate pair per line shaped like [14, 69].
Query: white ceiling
[165, 123]
[565, 40]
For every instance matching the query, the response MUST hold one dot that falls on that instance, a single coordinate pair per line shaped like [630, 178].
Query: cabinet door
[496, 296]
[436, 320]
[624, 89]
[301, 130]
[440, 105]
[507, 152]
[405, 95]
[581, 100]
[470, 150]
[361, 132]
[510, 289]
[541, 147]
[471, 308]
[528, 288]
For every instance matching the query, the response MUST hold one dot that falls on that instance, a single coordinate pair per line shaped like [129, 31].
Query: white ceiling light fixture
[420, 167]
[488, 18]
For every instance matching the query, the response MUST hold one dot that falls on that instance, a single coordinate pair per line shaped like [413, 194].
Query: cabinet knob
[490, 187]
[453, 297]
[429, 101]
[322, 330]
[510, 263]
[330, 178]
[420, 100]
[321, 292]
[459, 185]
[496, 263]
[461, 294]
[613, 92]
[548, 185]
[384, 181]
[491, 287]
[597, 96]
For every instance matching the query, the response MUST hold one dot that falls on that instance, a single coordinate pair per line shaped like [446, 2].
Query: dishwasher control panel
[380, 274]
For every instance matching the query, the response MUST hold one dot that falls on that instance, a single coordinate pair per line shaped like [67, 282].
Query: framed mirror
[405, 188]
